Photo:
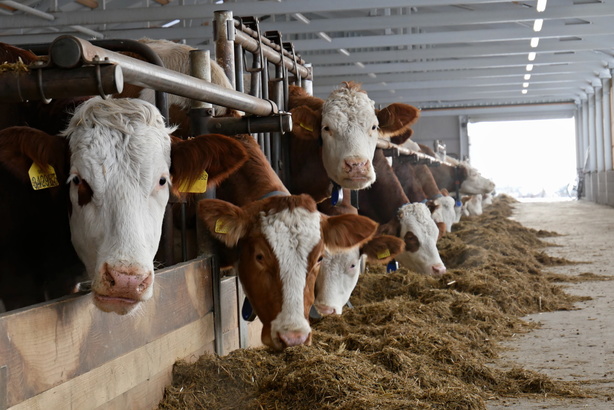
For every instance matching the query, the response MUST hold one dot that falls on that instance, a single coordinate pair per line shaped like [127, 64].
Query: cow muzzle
[120, 289]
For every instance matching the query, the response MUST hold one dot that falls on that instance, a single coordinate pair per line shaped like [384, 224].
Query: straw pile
[410, 341]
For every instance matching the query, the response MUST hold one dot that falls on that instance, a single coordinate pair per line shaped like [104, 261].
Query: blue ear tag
[247, 312]
[336, 194]
[392, 266]
[314, 314]
[458, 203]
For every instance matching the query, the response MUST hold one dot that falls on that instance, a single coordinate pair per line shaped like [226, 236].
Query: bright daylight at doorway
[527, 159]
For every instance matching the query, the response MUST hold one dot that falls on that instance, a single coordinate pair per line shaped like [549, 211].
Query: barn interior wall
[446, 129]
[595, 139]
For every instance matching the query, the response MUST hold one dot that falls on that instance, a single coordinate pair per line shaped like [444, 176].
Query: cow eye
[326, 128]
[76, 180]
[353, 266]
[374, 127]
[260, 257]
[162, 181]
[320, 258]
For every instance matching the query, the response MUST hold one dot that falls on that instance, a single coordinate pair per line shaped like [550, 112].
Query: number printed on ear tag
[198, 187]
[42, 178]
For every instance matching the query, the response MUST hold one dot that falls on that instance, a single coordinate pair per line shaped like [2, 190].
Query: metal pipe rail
[420, 156]
[247, 38]
[69, 51]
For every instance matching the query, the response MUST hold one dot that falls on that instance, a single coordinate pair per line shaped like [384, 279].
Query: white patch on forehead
[292, 235]
[349, 108]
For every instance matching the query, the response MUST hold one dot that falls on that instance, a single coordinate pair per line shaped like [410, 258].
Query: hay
[410, 341]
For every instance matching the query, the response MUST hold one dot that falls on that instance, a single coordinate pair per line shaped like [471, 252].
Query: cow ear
[396, 119]
[306, 123]
[225, 221]
[383, 248]
[400, 139]
[22, 146]
[215, 154]
[442, 229]
[346, 231]
[392, 227]
[432, 205]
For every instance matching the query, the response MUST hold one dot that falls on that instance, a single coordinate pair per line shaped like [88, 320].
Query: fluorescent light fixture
[529, 67]
[219, 1]
[532, 55]
[525, 85]
[344, 52]
[324, 36]
[171, 23]
[541, 5]
[302, 18]
[524, 91]
[359, 64]
[537, 26]
[534, 42]
[527, 77]
[372, 75]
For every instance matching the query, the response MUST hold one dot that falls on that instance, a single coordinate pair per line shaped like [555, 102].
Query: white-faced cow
[339, 272]
[120, 164]
[280, 240]
[333, 140]
[386, 203]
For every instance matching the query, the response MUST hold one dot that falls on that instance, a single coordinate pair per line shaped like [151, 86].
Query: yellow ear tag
[198, 187]
[221, 226]
[383, 254]
[305, 127]
[42, 178]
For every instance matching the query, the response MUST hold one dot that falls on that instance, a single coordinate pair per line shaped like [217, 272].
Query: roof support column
[599, 125]
[592, 143]
[607, 122]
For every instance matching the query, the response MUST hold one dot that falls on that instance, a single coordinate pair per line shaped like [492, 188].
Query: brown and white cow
[335, 139]
[280, 241]
[119, 162]
[386, 203]
[339, 272]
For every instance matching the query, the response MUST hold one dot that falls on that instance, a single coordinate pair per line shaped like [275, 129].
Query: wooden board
[69, 349]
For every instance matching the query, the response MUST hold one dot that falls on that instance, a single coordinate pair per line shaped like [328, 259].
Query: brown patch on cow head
[412, 244]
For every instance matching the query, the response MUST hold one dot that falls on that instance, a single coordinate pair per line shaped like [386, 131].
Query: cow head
[348, 127]
[445, 213]
[281, 242]
[417, 228]
[120, 179]
[339, 271]
[474, 183]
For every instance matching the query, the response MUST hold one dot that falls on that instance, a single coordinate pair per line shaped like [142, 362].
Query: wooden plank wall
[68, 353]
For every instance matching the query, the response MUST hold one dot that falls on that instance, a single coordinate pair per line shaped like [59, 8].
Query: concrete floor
[573, 345]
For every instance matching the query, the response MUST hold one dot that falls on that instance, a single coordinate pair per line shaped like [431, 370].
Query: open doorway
[526, 159]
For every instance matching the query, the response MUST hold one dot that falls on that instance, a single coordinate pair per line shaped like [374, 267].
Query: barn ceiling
[429, 53]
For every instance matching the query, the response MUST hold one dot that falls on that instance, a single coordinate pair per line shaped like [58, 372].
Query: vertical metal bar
[4, 387]
[223, 32]
[200, 67]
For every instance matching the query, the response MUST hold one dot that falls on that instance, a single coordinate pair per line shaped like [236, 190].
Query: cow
[339, 272]
[279, 242]
[386, 203]
[119, 164]
[472, 205]
[333, 141]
